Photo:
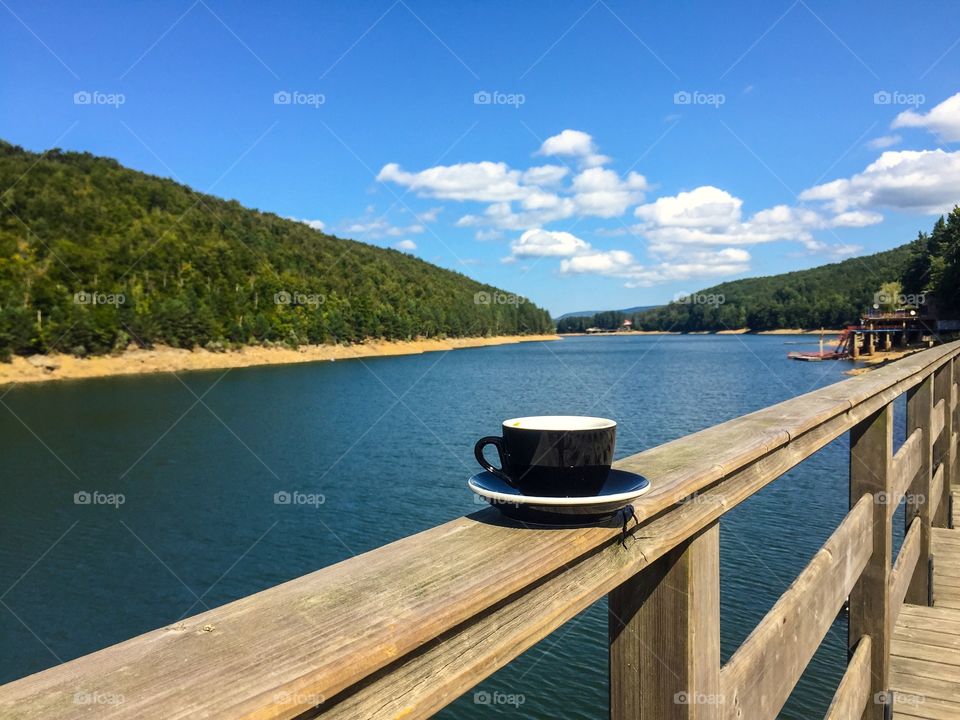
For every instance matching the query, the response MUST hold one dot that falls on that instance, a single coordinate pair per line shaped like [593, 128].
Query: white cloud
[919, 181]
[942, 120]
[856, 219]
[545, 175]
[703, 207]
[574, 143]
[547, 243]
[315, 224]
[884, 141]
[406, 245]
[603, 193]
[622, 264]
[489, 234]
[482, 181]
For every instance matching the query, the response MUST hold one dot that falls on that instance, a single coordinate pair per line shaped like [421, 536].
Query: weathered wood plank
[665, 636]
[919, 416]
[938, 419]
[854, 692]
[942, 455]
[936, 490]
[871, 473]
[758, 679]
[906, 464]
[369, 611]
[903, 569]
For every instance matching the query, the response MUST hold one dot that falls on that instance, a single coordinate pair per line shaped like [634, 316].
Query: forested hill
[94, 256]
[827, 296]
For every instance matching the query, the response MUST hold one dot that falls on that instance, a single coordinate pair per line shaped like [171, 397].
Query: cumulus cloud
[406, 245]
[545, 175]
[603, 193]
[576, 144]
[482, 181]
[547, 243]
[942, 120]
[918, 181]
[622, 264]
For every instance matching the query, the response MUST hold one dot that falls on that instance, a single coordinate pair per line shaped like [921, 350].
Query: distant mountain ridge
[625, 311]
[829, 296]
[94, 256]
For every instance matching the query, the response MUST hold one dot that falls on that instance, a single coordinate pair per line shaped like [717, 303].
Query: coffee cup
[553, 455]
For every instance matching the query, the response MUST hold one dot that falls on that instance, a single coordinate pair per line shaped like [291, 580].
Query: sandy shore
[44, 368]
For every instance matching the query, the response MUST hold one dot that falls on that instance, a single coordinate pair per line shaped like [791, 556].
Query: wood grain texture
[664, 630]
[871, 474]
[903, 569]
[855, 689]
[760, 676]
[906, 465]
[920, 417]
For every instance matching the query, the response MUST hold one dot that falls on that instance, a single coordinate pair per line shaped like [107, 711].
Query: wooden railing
[404, 630]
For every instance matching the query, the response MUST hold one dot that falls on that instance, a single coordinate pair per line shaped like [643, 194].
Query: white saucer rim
[557, 501]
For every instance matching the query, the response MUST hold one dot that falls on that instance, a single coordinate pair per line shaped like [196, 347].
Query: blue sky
[584, 154]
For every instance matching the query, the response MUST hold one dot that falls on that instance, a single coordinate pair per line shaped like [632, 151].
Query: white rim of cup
[562, 423]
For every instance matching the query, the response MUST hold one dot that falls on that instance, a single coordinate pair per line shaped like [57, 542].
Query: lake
[132, 502]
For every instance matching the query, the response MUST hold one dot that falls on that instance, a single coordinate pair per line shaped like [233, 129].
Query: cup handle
[478, 453]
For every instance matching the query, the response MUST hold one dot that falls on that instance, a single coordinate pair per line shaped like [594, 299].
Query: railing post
[943, 390]
[665, 636]
[871, 456]
[920, 415]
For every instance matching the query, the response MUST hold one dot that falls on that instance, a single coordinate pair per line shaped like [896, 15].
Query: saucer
[619, 490]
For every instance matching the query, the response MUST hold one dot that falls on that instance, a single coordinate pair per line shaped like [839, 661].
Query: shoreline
[738, 331]
[162, 359]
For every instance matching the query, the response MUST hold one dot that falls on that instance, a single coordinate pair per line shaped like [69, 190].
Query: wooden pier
[403, 630]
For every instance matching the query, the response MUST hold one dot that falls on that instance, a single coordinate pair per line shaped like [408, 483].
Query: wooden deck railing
[404, 630]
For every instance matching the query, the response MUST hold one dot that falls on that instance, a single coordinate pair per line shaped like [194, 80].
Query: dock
[925, 664]
[405, 629]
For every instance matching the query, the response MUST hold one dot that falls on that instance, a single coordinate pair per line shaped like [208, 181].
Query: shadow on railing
[404, 630]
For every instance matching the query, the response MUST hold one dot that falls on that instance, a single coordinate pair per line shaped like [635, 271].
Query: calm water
[388, 443]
